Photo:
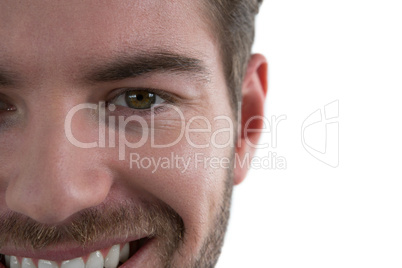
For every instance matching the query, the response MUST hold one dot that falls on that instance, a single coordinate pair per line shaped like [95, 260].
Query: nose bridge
[56, 179]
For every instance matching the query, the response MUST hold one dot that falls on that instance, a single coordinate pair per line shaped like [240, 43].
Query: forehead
[61, 34]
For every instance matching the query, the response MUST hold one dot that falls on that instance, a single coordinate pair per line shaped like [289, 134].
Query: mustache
[95, 224]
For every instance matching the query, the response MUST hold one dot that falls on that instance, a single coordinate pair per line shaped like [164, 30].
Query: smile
[112, 257]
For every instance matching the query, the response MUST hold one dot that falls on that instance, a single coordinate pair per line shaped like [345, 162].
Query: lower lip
[141, 256]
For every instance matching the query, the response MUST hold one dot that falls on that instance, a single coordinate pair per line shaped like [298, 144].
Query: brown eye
[140, 99]
[137, 99]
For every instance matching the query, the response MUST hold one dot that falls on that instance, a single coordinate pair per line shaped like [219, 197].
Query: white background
[311, 214]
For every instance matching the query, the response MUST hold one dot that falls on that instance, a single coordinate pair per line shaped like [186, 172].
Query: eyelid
[167, 97]
[5, 105]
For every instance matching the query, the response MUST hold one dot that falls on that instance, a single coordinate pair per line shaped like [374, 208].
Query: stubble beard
[123, 220]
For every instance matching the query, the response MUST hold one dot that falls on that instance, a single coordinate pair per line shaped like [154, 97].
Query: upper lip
[63, 251]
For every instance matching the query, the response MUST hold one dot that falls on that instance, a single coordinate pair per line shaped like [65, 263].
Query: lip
[63, 252]
[140, 258]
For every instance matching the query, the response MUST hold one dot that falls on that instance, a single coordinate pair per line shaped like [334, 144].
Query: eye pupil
[140, 99]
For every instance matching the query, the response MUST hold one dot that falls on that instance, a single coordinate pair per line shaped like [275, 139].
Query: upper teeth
[95, 260]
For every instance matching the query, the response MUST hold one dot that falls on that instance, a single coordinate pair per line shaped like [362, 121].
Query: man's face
[73, 182]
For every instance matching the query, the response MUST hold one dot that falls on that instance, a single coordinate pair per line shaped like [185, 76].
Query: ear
[254, 91]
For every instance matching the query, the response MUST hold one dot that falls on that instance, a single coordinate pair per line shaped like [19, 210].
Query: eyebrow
[131, 66]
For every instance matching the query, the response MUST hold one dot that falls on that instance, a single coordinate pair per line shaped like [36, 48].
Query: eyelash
[167, 98]
[5, 106]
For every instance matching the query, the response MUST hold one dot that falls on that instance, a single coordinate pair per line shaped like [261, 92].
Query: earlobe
[254, 91]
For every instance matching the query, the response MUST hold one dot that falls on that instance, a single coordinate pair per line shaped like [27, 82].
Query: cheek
[9, 141]
[183, 169]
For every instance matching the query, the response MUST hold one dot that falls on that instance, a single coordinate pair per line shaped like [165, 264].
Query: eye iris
[140, 99]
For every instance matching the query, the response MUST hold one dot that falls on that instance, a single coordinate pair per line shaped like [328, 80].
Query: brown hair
[233, 21]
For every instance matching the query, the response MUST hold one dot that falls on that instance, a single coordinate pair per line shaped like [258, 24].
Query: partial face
[99, 101]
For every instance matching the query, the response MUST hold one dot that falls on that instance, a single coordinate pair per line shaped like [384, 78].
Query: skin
[49, 47]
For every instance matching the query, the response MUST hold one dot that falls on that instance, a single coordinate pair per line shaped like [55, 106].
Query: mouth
[115, 256]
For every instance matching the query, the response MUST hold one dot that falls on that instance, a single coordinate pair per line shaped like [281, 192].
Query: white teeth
[7, 260]
[47, 264]
[124, 253]
[95, 260]
[14, 262]
[74, 263]
[112, 258]
[27, 263]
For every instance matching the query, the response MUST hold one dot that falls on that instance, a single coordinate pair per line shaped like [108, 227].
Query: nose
[56, 179]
